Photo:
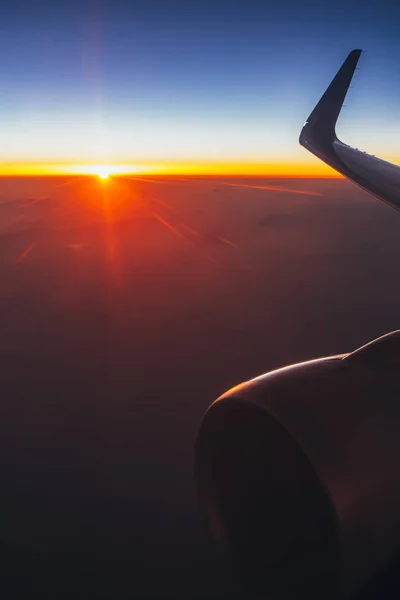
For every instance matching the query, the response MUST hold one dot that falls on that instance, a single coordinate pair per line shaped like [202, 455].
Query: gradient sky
[181, 81]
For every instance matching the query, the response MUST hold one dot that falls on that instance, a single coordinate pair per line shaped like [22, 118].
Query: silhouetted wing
[377, 176]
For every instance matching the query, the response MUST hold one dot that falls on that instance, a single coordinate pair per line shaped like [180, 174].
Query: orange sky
[313, 168]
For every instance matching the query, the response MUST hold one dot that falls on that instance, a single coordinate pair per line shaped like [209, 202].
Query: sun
[102, 173]
[105, 171]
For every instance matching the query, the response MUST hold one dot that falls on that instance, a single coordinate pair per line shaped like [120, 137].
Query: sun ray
[189, 241]
[226, 241]
[176, 212]
[163, 203]
[26, 252]
[171, 227]
[191, 230]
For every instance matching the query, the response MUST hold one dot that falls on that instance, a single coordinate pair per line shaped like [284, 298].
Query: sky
[190, 84]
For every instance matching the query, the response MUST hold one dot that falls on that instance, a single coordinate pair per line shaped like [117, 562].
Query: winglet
[318, 136]
[320, 125]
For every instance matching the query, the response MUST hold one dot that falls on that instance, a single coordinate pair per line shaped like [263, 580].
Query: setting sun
[103, 173]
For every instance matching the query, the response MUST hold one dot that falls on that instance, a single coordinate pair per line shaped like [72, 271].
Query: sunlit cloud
[274, 188]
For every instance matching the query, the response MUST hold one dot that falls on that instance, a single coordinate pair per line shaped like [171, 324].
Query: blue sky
[207, 81]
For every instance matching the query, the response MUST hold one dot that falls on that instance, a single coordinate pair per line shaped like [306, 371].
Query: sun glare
[103, 173]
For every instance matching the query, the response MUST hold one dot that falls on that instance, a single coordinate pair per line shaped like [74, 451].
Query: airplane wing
[377, 176]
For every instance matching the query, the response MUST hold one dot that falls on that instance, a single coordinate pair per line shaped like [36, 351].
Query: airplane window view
[199, 291]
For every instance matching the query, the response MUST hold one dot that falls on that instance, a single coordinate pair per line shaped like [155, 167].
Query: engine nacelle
[298, 472]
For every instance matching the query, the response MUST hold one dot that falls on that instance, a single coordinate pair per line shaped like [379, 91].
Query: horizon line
[201, 169]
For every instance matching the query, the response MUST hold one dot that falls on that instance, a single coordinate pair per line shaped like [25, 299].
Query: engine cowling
[297, 472]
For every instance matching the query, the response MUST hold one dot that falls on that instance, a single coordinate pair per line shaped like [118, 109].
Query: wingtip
[321, 123]
[355, 54]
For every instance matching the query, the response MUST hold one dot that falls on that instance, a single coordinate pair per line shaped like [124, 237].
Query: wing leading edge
[380, 178]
